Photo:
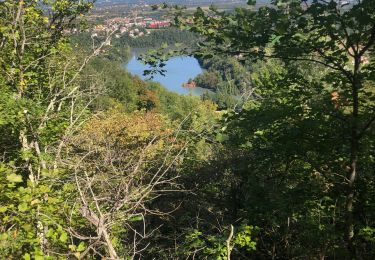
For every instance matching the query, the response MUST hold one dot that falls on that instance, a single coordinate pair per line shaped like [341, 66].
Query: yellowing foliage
[125, 136]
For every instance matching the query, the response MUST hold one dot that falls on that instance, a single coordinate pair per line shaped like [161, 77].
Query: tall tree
[338, 37]
[41, 103]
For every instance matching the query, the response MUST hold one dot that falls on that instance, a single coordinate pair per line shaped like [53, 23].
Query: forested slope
[98, 164]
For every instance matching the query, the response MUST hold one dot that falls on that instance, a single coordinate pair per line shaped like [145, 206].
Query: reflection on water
[179, 71]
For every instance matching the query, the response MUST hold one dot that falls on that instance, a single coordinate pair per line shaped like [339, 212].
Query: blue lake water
[179, 71]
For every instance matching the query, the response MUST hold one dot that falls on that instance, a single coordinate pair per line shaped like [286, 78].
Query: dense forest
[154, 39]
[229, 80]
[158, 37]
[277, 163]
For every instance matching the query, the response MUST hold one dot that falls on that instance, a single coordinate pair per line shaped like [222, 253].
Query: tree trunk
[111, 250]
[354, 151]
[229, 240]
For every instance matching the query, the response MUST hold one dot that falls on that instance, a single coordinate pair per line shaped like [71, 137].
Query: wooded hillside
[277, 163]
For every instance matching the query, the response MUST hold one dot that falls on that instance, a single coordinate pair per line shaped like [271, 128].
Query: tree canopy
[99, 164]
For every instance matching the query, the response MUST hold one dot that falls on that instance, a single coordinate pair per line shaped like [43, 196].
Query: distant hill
[169, 1]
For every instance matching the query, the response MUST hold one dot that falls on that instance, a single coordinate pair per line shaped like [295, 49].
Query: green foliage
[116, 83]
[156, 38]
[92, 156]
[35, 82]
[227, 78]
[215, 247]
[296, 157]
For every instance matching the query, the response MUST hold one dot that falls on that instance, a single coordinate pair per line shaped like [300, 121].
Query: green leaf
[81, 247]
[3, 209]
[22, 207]
[26, 256]
[211, 31]
[50, 232]
[14, 178]
[64, 237]
[221, 137]
[137, 218]
[4, 236]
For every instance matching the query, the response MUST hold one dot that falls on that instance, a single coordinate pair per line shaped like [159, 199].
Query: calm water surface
[179, 71]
